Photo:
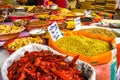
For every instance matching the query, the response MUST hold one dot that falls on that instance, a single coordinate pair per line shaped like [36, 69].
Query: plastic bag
[87, 69]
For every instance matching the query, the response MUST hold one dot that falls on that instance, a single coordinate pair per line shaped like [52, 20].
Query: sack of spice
[109, 72]
[92, 48]
[87, 70]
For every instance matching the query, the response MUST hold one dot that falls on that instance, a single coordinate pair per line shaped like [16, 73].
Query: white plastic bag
[87, 69]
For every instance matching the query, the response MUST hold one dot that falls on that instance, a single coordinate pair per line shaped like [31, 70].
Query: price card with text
[54, 31]
[77, 23]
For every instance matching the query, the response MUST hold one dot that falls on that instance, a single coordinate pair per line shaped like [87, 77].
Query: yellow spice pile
[83, 45]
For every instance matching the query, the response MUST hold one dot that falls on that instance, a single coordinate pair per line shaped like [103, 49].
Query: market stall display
[9, 31]
[36, 52]
[94, 41]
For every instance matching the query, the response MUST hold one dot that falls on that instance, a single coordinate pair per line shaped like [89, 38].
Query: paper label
[77, 23]
[54, 31]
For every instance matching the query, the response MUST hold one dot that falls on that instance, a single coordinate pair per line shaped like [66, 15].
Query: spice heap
[20, 42]
[6, 29]
[83, 45]
[100, 31]
[38, 23]
[20, 14]
[56, 17]
[44, 65]
[1, 18]
[39, 9]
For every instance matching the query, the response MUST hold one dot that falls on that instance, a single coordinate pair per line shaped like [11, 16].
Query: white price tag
[77, 23]
[54, 31]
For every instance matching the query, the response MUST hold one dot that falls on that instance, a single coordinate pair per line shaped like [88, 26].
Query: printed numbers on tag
[54, 31]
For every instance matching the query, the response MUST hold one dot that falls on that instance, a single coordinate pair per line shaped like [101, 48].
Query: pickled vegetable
[83, 45]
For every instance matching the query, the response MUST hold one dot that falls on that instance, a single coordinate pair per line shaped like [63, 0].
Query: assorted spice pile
[8, 29]
[56, 17]
[39, 9]
[100, 31]
[44, 65]
[20, 42]
[1, 18]
[20, 14]
[83, 45]
[38, 23]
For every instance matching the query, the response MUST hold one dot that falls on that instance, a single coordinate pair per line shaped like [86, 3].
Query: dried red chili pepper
[44, 65]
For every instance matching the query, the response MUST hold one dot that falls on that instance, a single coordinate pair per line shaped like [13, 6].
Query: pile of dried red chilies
[44, 65]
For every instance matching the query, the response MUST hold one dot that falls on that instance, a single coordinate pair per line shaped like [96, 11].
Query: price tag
[54, 31]
[77, 23]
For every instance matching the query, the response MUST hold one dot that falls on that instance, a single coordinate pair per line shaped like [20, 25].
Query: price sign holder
[54, 31]
[77, 23]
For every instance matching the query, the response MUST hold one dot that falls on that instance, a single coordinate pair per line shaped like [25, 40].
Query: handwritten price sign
[77, 23]
[54, 31]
